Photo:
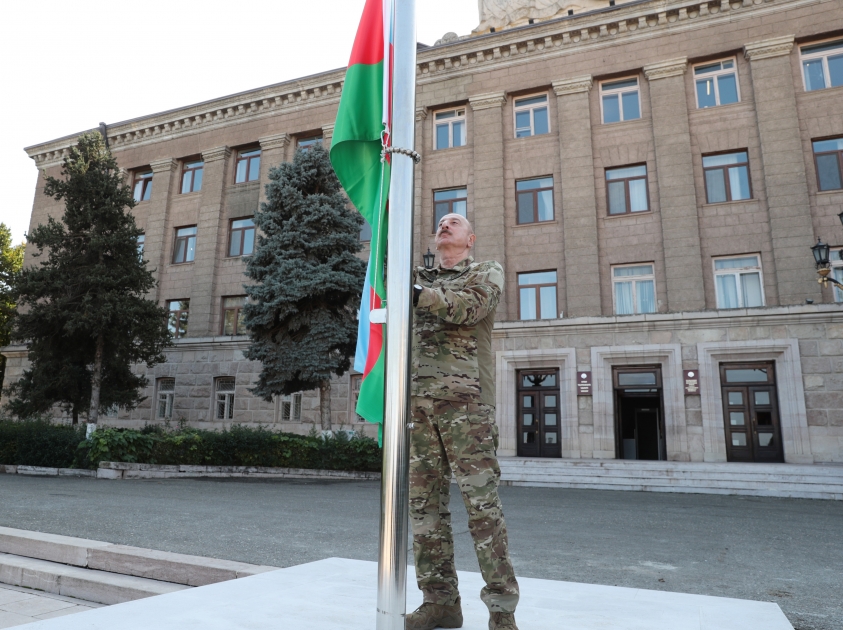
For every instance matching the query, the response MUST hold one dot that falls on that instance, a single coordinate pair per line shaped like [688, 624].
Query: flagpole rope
[408, 152]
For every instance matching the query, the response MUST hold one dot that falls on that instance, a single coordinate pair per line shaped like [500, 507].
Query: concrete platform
[340, 594]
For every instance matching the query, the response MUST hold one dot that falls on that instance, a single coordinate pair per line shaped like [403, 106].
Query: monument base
[339, 594]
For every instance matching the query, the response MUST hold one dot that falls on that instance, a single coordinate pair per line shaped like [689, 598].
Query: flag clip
[377, 316]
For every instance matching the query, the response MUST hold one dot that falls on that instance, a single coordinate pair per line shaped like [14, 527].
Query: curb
[40, 471]
[124, 470]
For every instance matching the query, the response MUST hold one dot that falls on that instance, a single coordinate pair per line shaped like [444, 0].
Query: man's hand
[417, 291]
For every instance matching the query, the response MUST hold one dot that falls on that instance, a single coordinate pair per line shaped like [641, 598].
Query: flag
[361, 132]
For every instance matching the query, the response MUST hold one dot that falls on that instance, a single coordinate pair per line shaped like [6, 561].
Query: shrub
[39, 443]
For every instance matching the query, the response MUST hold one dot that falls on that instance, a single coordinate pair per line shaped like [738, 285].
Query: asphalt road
[788, 551]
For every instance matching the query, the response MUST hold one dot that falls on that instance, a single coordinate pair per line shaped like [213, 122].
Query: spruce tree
[11, 261]
[84, 314]
[302, 308]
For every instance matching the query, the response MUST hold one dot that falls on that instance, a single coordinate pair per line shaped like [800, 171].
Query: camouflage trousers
[460, 437]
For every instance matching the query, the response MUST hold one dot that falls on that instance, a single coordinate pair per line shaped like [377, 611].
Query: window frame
[538, 288]
[187, 169]
[726, 167]
[535, 192]
[460, 115]
[237, 314]
[242, 236]
[307, 143]
[145, 179]
[738, 271]
[634, 280]
[626, 181]
[354, 383]
[818, 55]
[169, 400]
[241, 157]
[141, 244]
[176, 315]
[186, 238]
[619, 92]
[228, 397]
[450, 203]
[293, 412]
[838, 153]
[531, 108]
[715, 74]
[837, 266]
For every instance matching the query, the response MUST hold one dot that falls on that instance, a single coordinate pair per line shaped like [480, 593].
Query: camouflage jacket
[452, 332]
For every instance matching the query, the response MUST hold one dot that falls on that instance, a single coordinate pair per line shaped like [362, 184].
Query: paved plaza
[785, 551]
[19, 606]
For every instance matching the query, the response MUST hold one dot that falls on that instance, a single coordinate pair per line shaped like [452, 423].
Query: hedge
[40, 443]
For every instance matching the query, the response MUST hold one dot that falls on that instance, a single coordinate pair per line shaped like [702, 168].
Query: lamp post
[821, 258]
[430, 258]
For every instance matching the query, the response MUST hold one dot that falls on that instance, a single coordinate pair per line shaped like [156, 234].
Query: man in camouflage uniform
[453, 430]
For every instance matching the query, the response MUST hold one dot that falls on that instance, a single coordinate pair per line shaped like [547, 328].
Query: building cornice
[664, 69]
[573, 86]
[277, 141]
[775, 47]
[327, 131]
[217, 153]
[487, 101]
[163, 165]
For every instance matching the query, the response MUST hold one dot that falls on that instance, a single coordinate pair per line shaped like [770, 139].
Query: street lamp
[840, 216]
[821, 252]
[429, 258]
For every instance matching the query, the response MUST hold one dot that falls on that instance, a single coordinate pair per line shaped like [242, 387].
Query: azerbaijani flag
[361, 132]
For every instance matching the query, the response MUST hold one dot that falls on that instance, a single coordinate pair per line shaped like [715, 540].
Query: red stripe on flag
[368, 45]
[375, 338]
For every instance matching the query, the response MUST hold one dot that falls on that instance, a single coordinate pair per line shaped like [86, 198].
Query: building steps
[771, 480]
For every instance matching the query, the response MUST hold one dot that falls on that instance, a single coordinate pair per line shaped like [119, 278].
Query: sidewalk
[21, 605]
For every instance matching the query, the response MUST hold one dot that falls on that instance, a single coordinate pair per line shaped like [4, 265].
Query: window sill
[536, 224]
[730, 203]
[549, 134]
[449, 149]
[621, 122]
[181, 264]
[241, 257]
[195, 193]
[834, 191]
[254, 182]
[626, 215]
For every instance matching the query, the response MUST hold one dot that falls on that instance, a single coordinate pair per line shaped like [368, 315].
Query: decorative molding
[663, 69]
[793, 417]
[164, 165]
[327, 132]
[277, 141]
[218, 153]
[421, 114]
[572, 86]
[487, 101]
[775, 47]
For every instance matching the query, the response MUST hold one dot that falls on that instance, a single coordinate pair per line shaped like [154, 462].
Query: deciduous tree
[11, 261]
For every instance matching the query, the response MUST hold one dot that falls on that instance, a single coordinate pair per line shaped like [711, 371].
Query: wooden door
[751, 413]
[539, 415]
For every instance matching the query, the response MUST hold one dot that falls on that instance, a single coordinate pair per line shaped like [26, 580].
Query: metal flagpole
[392, 557]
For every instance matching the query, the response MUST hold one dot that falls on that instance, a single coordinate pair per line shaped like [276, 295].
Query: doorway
[639, 417]
[751, 412]
[538, 414]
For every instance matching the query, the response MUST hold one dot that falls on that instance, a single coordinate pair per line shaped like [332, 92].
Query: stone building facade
[650, 175]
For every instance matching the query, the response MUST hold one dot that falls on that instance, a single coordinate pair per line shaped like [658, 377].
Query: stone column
[419, 242]
[489, 206]
[209, 231]
[273, 153]
[327, 135]
[165, 184]
[677, 186]
[783, 159]
[579, 202]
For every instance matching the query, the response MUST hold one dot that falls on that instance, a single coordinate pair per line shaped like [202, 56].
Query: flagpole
[392, 560]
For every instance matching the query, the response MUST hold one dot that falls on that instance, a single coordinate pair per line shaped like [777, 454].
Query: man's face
[454, 232]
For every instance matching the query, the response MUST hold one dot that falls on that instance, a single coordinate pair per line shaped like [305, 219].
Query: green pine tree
[85, 317]
[302, 308]
[11, 261]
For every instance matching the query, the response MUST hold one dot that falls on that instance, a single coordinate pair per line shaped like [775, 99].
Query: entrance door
[538, 414]
[639, 421]
[751, 412]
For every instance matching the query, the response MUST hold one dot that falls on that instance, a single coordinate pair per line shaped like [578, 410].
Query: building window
[450, 129]
[717, 84]
[164, 398]
[191, 177]
[619, 100]
[365, 232]
[289, 408]
[726, 177]
[178, 313]
[143, 186]
[626, 189]
[837, 272]
[634, 289]
[248, 166]
[534, 200]
[113, 411]
[531, 117]
[305, 144]
[453, 201]
[822, 65]
[738, 282]
[356, 382]
[184, 249]
[241, 241]
[141, 242]
[225, 398]
[828, 156]
[537, 295]
[232, 315]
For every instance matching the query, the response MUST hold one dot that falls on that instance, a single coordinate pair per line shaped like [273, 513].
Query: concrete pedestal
[340, 594]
